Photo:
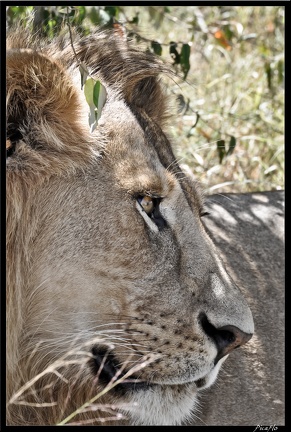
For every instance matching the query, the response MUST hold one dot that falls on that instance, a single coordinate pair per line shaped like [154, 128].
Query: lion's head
[113, 286]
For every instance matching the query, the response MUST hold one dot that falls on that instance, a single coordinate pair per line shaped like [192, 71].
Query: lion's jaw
[162, 405]
[168, 404]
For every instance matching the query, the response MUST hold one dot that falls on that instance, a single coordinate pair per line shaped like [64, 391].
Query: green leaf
[232, 144]
[63, 10]
[80, 15]
[95, 94]
[280, 68]
[84, 73]
[268, 71]
[134, 19]
[174, 53]
[104, 17]
[96, 91]
[221, 149]
[88, 91]
[94, 16]
[228, 32]
[101, 100]
[112, 10]
[157, 48]
[185, 56]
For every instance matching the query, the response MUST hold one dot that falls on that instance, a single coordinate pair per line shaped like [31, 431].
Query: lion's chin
[169, 405]
[153, 403]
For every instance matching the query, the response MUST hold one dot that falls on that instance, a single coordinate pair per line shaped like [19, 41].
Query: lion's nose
[226, 338]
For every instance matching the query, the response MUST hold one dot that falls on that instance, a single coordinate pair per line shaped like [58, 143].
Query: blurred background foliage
[228, 94]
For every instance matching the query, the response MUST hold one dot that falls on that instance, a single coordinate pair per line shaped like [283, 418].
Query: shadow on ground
[248, 230]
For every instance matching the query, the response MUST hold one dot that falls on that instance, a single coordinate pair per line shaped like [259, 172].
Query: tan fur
[86, 266]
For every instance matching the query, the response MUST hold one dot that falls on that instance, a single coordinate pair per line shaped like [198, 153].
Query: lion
[116, 314]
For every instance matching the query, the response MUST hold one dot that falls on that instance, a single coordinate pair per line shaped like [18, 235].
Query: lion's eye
[151, 206]
[147, 204]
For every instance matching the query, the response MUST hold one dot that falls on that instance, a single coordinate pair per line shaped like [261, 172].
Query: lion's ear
[44, 112]
[149, 96]
[129, 71]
